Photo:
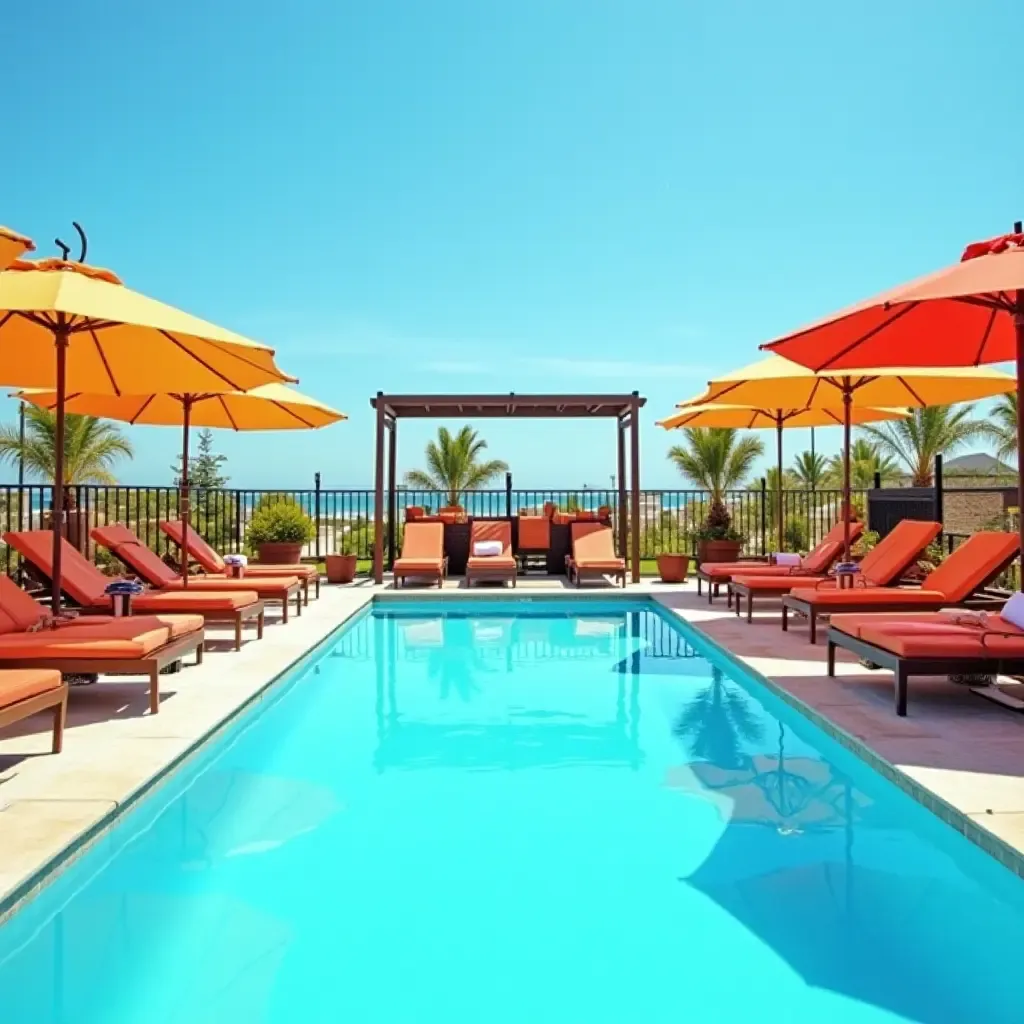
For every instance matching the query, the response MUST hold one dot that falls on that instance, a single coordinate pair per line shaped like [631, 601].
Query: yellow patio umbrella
[746, 417]
[12, 245]
[777, 382]
[70, 326]
[269, 407]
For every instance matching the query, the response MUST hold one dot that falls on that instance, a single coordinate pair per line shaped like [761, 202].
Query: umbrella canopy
[967, 314]
[775, 381]
[744, 417]
[270, 407]
[67, 325]
[12, 245]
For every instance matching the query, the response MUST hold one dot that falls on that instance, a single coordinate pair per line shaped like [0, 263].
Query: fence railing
[343, 519]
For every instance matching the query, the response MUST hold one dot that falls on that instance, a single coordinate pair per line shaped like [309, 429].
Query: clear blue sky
[480, 195]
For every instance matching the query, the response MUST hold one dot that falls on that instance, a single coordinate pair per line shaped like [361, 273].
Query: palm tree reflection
[718, 722]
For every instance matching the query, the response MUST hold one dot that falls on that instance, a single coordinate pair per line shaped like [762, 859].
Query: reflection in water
[719, 722]
[466, 657]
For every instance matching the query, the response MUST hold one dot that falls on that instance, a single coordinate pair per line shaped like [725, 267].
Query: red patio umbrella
[967, 314]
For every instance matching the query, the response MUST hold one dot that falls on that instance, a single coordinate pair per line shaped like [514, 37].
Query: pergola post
[392, 425]
[620, 508]
[378, 496]
[634, 442]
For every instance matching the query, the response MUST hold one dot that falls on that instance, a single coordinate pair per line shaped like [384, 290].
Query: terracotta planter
[341, 568]
[718, 550]
[279, 553]
[673, 568]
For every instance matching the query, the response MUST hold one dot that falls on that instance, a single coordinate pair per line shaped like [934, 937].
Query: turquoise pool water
[521, 812]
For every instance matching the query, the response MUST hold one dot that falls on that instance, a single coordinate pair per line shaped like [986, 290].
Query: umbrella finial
[65, 248]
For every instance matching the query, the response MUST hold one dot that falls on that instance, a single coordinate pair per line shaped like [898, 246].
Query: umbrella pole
[1018, 321]
[778, 436]
[186, 410]
[847, 403]
[61, 337]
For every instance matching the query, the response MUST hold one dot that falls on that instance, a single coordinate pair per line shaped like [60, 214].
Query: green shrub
[282, 522]
[795, 533]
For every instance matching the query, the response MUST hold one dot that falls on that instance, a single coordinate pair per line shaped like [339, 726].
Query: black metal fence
[343, 519]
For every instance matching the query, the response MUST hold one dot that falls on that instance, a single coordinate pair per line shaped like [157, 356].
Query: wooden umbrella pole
[778, 434]
[61, 338]
[847, 403]
[186, 410]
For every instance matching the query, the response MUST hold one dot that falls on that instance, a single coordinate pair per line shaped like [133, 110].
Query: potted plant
[717, 541]
[277, 532]
[341, 568]
[672, 568]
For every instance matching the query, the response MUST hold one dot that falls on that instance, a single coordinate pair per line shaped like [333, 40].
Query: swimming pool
[520, 811]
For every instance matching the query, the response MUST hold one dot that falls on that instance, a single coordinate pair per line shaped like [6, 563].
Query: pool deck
[967, 752]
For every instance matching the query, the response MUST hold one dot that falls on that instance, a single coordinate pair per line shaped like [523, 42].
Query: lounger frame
[903, 668]
[577, 573]
[151, 665]
[715, 582]
[55, 699]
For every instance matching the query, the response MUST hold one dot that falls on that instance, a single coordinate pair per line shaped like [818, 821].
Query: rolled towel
[786, 558]
[236, 560]
[487, 548]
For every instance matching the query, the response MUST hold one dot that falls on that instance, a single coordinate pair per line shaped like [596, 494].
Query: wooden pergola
[625, 409]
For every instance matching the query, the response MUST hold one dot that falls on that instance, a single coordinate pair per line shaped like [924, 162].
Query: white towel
[787, 558]
[236, 560]
[487, 548]
[1013, 610]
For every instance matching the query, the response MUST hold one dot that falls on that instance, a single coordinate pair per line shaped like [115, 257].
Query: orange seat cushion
[971, 564]
[176, 625]
[411, 565]
[178, 601]
[97, 642]
[593, 546]
[491, 562]
[854, 622]
[603, 565]
[927, 645]
[303, 572]
[422, 542]
[775, 584]
[883, 565]
[18, 684]
[265, 586]
[867, 596]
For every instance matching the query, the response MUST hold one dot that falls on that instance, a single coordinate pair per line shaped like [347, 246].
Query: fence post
[764, 516]
[316, 499]
[938, 491]
[508, 495]
[878, 481]
[238, 520]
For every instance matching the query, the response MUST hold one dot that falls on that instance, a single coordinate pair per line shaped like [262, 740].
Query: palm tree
[453, 465]
[91, 447]
[716, 458]
[809, 469]
[717, 723]
[1001, 427]
[925, 433]
[865, 461]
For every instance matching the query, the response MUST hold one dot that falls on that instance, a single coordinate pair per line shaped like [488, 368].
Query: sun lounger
[27, 691]
[593, 554]
[137, 645]
[422, 553]
[212, 563]
[935, 644]
[975, 564]
[883, 566]
[152, 569]
[85, 585]
[496, 568]
[815, 563]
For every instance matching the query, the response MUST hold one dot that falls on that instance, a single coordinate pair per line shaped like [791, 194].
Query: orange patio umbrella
[745, 417]
[269, 407]
[967, 314]
[12, 245]
[69, 326]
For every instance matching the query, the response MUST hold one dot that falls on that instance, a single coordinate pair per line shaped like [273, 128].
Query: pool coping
[25, 890]
[55, 865]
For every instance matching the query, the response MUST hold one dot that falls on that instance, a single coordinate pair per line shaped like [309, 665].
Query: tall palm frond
[454, 466]
[925, 433]
[1001, 427]
[809, 469]
[716, 459]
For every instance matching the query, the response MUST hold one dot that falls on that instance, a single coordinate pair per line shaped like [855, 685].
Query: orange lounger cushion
[422, 543]
[773, 584]
[264, 587]
[593, 547]
[854, 622]
[80, 643]
[490, 562]
[868, 596]
[18, 684]
[212, 561]
[927, 645]
[176, 625]
[412, 565]
[179, 601]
